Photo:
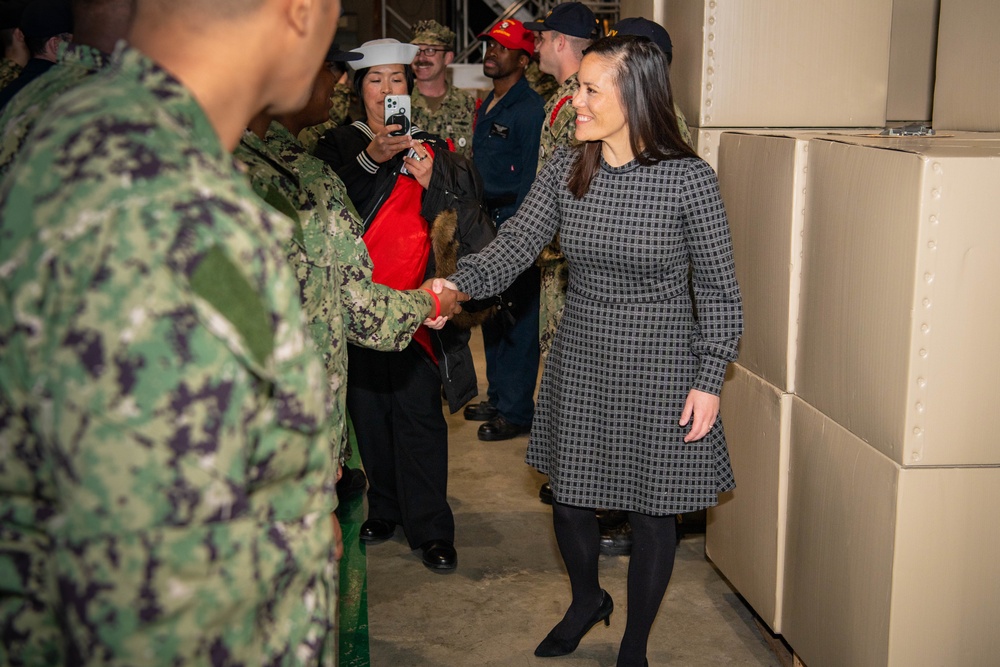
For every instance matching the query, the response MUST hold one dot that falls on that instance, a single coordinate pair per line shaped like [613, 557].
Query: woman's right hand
[384, 146]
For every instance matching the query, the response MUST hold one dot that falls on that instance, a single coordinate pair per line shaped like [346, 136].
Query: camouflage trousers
[555, 272]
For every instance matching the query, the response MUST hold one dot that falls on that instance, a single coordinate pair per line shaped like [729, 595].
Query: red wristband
[437, 302]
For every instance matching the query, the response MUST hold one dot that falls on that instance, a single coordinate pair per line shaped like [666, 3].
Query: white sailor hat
[384, 52]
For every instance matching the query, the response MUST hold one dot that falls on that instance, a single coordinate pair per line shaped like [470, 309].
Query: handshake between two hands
[450, 298]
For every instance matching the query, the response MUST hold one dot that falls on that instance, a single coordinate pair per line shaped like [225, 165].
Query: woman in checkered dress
[628, 408]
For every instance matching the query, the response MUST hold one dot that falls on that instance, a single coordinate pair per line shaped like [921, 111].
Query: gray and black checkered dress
[628, 349]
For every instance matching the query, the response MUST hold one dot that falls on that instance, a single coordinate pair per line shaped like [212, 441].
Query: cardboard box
[762, 174]
[886, 565]
[780, 63]
[966, 94]
[912, 53]
[898, 306]
[708, 139]
[745, 535]
[763, 183]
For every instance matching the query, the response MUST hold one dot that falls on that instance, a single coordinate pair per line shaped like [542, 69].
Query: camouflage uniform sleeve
[9, 70]
[310, 135]
[340, 107]
[376, 316]
[29, 629]
[683, 126]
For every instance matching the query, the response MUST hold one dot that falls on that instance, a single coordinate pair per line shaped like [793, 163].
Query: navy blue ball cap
[335, 55]
[46, 18]
[569, 18]
[10, 14]
[641, 27]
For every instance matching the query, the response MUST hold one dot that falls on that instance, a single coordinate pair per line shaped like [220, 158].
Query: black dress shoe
[376, 531]
[552, 646]
[351, 484]
[608, 519]
[545, 493]
[499, 428]
[480, 412]
[617, 541]
[616, 533]
[439, 555]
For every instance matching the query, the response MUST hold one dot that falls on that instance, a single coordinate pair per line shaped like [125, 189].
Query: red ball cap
[512, 34]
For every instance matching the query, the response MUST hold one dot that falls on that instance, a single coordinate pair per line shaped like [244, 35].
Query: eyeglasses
[430, 50]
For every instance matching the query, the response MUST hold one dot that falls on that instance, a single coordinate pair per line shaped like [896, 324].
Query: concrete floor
[510, 587]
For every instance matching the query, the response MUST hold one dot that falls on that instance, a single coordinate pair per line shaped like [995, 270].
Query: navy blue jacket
[505, 147]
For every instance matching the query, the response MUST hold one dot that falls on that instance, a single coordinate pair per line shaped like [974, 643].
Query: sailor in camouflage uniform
[97, 28]
[341, 302]
[438, 107]
[372, 315]
[166, 485]
[560, 39]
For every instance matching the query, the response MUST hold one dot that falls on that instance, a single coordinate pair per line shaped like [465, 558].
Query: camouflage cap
[433, 33]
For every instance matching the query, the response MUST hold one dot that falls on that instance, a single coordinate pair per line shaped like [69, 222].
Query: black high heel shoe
[553, 646]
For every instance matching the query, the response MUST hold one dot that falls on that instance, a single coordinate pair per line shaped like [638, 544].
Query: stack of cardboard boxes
[859, 411]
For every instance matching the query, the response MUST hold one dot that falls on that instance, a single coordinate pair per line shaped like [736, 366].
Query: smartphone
[397, 112]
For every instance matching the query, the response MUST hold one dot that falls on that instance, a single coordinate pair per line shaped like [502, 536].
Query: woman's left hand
[421, 165]
[701, 409]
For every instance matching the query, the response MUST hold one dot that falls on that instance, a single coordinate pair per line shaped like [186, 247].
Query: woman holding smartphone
[413, 196]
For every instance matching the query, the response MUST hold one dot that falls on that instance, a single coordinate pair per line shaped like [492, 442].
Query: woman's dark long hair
[639, 72]
[359, 79]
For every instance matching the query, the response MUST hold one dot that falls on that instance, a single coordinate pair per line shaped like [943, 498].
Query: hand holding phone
[397, 112]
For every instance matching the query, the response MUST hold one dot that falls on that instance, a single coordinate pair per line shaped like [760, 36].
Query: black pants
[394, 399]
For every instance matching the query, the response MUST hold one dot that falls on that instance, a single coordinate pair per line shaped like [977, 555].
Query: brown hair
[639, 72]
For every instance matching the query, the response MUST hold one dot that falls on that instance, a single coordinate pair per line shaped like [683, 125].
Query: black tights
[654, 543]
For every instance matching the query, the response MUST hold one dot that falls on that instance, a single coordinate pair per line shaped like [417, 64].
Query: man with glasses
[437, 106]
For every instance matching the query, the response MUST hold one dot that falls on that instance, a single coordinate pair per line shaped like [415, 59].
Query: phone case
[397, 112]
